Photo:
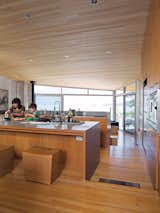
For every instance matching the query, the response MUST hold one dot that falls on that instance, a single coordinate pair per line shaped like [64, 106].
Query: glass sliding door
[130, 113]
[120, 111]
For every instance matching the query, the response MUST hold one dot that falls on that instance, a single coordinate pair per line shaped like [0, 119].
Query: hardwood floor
[126, 162]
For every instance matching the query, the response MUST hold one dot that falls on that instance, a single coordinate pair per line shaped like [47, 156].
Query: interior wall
[18, 89]
[9, 85]
[27, 92]
[151, 48]
[151, 71]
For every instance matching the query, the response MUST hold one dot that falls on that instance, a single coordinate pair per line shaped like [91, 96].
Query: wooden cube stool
[114, 130]
[114, 140]
[42, 164]
[6, 159]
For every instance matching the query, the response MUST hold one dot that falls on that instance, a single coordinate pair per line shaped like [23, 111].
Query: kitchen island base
[81, 144]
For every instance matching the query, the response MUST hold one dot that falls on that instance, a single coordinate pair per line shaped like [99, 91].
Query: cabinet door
[150, 147]
[159, 167]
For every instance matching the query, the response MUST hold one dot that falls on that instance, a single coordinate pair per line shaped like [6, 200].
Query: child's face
[14, 105]
[31, 110]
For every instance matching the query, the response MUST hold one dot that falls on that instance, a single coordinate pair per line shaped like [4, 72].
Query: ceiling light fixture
[66, 56]
[108, 52]
[28, 16]
[94, 1]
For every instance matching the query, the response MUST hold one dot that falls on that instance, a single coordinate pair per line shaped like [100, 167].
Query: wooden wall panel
[159, 174]
[151, 71]
[151, 142]
[151, 48]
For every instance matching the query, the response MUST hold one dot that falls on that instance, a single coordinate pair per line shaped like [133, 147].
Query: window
[130, 113]
[131, 88]
[89, 103]
[57, 98]
[100, 92]
[74, 91]
[120, 110]
[47, 90]
[120, 91]
[48, 102]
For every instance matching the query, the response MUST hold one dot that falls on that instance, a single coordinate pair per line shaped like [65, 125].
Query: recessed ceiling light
[108, 52]
[66, 56]
[94, 1]
[30, 60]
[28, 16]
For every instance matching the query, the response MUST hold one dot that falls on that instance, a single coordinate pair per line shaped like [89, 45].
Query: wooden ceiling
[72, 42]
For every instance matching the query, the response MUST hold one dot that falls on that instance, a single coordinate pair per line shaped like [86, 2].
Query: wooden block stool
[114, 130]
[42, 164]
[114, 140]
[6, 159]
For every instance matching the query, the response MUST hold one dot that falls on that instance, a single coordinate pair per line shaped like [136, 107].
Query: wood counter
[80, 142]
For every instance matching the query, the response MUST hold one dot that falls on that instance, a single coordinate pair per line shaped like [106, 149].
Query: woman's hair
[33, 106]
[17, 101]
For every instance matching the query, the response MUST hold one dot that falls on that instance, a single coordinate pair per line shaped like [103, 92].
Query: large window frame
[61, 94]
[112, 109]
[98, 92]
[52, 95]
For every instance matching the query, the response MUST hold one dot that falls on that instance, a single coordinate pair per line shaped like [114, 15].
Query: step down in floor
[119, 182]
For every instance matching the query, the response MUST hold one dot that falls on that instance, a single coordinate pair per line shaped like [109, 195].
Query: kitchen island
[80, 142]
[103, 121]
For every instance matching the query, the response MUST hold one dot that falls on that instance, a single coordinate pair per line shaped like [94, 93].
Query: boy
[32, 112]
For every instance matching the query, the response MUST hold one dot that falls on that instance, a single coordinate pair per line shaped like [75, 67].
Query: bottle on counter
[70, 115]
[6, 116]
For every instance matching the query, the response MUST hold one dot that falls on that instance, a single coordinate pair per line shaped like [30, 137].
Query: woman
[17, 111]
